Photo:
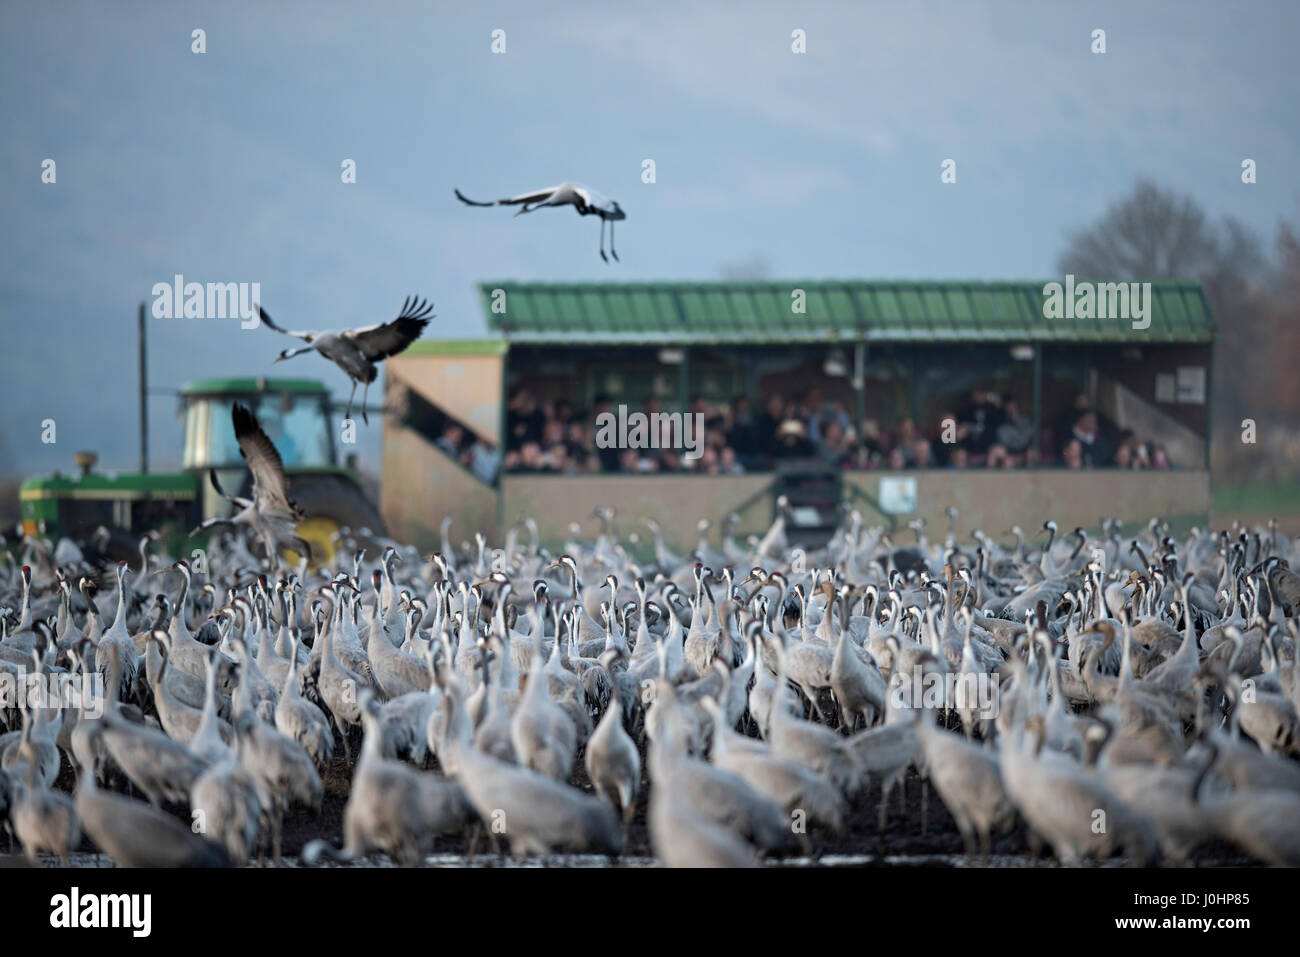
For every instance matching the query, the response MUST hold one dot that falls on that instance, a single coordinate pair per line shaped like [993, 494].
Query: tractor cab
[294, 413]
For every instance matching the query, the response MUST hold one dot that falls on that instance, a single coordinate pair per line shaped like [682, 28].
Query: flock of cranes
[1133, 695]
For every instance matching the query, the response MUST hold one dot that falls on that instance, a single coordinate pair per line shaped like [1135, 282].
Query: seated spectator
[823, 417]
[897, 461]
[1016, 431]
[1094, 450]
[524, 420]
[951, 425]
[922, 453]
[555, 458]
[728, 462]
[871, 438]
[610, 460]
[864, 458]
[905, 435]
[450, 440]
[578, 443]
[483, 460]
[743, 436]
[835, 447]
[1065, 421]
[1072, 454]
[981, 417]
[792, 441]
[553, 433]
[999, 457]
[530, 458]
[769, 423]
[958, 457]
[630, 462]
[707, 463]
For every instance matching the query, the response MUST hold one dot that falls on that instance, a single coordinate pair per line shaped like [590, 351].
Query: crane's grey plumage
[270, 512]
[137, 835]
[357, 351]
[584, 199]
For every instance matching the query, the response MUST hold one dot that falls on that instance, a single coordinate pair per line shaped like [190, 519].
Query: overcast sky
[225, 166]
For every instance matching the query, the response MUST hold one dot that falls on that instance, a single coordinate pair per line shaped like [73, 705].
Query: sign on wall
[897, 495]
[1191, 385]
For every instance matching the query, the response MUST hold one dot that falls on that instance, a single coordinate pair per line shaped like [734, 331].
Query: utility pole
[144, 396]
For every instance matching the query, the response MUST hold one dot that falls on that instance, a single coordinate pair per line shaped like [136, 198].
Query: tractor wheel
[332, 502]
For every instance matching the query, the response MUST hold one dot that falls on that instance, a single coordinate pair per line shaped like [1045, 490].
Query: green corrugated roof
[878, 311]
[245, 385]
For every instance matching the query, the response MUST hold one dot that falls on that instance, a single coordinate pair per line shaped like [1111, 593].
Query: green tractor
[295, 413]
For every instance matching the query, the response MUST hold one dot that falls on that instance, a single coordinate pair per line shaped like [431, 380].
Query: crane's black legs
[602, 240]
[364, 393]
[611, 241]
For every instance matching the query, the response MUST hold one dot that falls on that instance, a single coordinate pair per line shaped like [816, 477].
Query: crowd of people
[989, 430]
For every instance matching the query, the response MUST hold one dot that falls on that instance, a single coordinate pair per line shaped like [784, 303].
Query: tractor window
[298, 425]
[299, 428]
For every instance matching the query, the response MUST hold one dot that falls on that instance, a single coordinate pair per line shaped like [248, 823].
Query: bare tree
[1159, 234]
[750, 269]
[1154, 233]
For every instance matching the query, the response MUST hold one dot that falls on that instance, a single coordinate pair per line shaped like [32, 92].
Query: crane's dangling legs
[352, 395]
[602, 240]
[364, 393]
[611, 241]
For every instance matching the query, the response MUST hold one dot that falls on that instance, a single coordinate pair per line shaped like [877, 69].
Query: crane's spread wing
[389, 338]
[270, 483]
[534, 197]
[304, 336]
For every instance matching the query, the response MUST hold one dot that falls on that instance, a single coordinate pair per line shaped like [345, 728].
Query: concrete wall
[421, 485]
[467, 388]
[996, 500]
[676, 502]
[993, 501]
[1129, 410]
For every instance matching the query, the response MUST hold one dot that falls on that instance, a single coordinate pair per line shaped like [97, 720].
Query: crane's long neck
[1126, 661]
[290, 689]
